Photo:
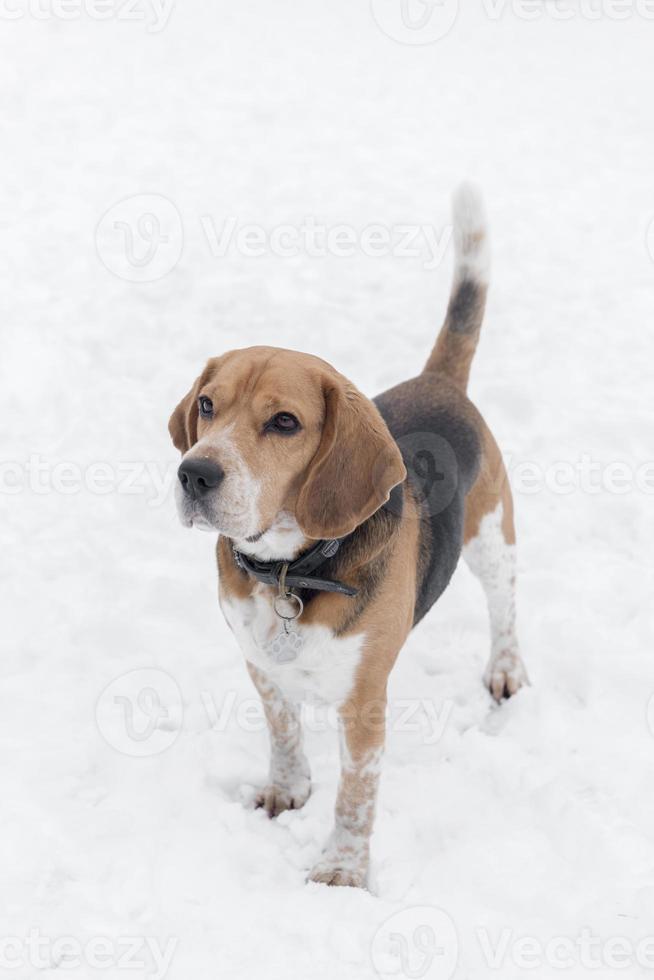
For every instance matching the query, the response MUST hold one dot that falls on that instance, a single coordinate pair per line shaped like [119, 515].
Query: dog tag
[287, 645]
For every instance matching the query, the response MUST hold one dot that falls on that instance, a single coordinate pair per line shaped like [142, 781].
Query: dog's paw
[343, 862]
[505, 675]
[275, 799]
[325, 873]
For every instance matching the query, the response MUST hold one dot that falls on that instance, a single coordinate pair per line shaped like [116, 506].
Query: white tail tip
[471, 246]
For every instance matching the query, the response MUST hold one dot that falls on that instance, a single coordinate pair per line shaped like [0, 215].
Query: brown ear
[357, 465]
[183, 423]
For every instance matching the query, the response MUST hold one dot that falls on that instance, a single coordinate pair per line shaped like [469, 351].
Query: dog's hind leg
[490, 552]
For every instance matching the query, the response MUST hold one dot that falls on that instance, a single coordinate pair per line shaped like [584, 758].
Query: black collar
[298, 572]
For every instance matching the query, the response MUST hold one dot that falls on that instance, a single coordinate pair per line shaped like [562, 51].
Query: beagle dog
[341, 521]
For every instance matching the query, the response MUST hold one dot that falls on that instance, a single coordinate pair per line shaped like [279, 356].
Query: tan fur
[490, 489]
[505, 672]
[455, 348]
[453, 355]
[332, 476]
[386, 624]
[354, 437]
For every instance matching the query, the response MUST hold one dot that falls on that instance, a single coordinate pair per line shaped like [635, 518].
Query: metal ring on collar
[289, 597]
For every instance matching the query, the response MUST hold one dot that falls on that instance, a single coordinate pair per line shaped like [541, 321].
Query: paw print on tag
[285, 647]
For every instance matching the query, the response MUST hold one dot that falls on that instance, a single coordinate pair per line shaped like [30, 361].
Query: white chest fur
[324, 668]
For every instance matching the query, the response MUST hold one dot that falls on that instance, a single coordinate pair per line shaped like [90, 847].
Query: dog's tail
[457, 341]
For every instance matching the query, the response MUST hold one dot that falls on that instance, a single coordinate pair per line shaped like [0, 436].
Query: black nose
[199, 476]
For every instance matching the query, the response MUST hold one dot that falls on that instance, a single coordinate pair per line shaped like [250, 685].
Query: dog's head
[275, 439]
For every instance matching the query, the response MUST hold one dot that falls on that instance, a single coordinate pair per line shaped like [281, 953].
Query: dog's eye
[206, 407]
[284, 423]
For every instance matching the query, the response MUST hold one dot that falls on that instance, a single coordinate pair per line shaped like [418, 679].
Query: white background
[536, 817]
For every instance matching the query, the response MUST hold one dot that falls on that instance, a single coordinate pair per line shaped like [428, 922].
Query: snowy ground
[535, 819]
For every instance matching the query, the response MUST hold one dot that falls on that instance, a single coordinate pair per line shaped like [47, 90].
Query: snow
[533, 819]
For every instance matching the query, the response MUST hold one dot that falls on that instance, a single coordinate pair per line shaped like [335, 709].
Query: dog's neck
[285, 541]
[282, 541]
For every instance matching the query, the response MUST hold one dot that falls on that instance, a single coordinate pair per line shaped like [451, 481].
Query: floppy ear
[183, 423]
[354, 470]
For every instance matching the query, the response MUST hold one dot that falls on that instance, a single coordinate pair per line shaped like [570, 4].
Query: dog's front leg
[346, 856]
[289, 782]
